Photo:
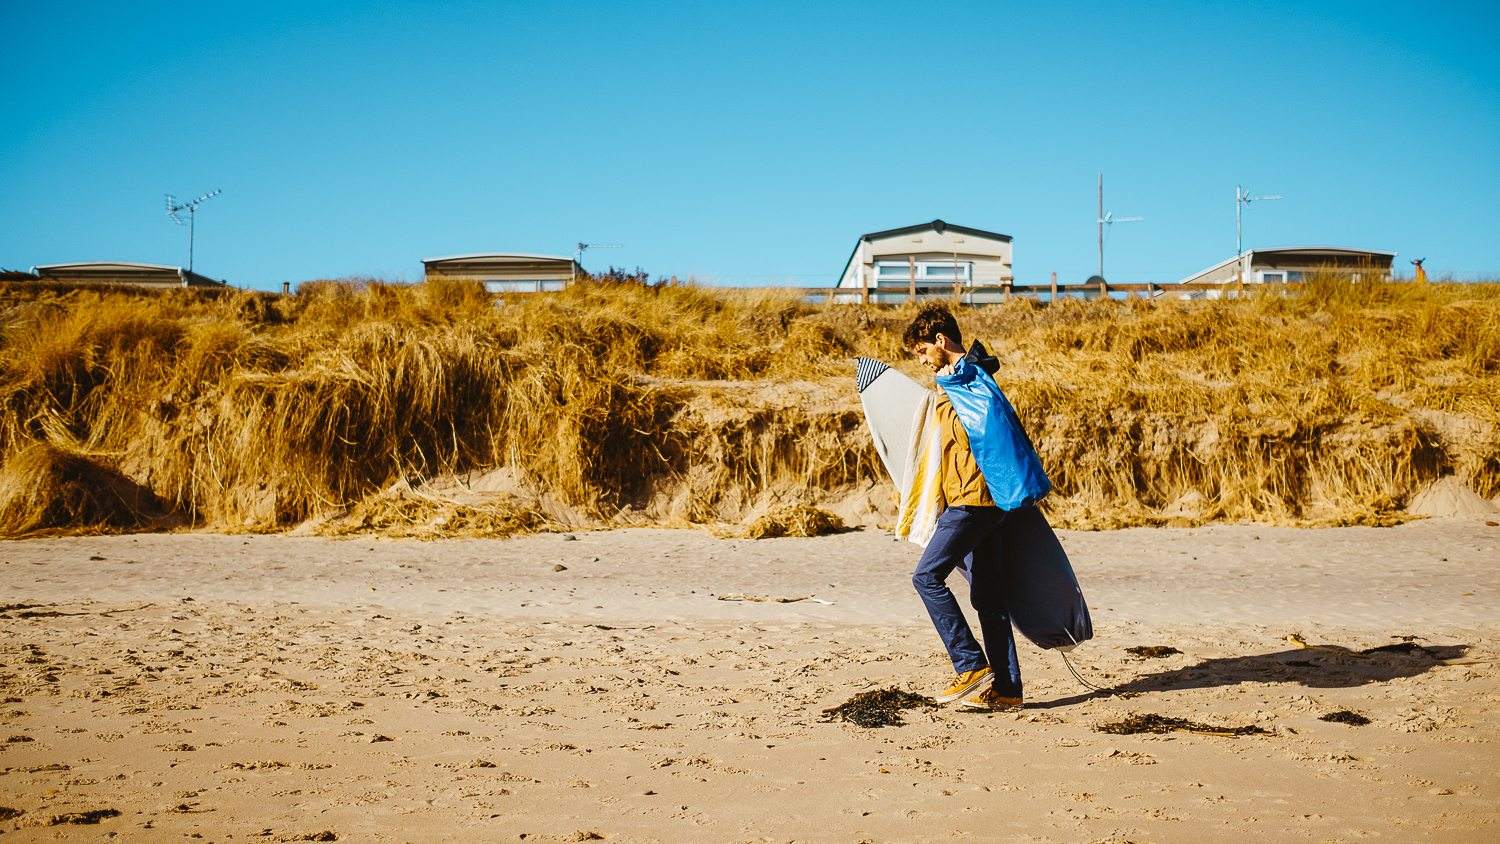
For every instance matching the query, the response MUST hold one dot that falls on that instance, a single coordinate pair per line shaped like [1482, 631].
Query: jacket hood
[981, 357]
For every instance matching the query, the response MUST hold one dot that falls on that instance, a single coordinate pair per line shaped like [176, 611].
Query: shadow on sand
[1311, 668]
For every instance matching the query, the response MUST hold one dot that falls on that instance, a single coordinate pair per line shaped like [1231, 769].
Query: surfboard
[1043, 597]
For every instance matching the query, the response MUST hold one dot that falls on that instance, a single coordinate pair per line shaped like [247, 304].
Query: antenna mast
[192, 209]
[1107, 220]
[578, 256]
[1241, 199]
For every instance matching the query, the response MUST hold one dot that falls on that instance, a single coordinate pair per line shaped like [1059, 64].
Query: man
[983, 483]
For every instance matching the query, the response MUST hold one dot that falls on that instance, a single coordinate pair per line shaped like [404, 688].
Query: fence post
[1054, 289]
[1103, 288]
[911, 289]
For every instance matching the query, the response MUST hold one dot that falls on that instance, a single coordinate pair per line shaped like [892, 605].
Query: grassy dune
[620, 402]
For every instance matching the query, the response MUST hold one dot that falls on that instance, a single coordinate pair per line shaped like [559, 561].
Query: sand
[1450, 497]
[273, 688]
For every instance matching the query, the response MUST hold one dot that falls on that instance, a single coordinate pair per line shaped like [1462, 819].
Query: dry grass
[622, 401]
[794, 520]
[405, 513]
[44, 488]
[1332, 406]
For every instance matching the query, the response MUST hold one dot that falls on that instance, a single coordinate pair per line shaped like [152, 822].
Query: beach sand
[224, 688]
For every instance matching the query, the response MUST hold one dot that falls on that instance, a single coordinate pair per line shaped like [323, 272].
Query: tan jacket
[963, 483]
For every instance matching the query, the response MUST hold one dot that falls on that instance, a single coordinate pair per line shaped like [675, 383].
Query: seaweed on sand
[90, 817]
[1153, 723]
[1152, 651]
[1408, 648]
[879, 708]
[1344, 716]
[10, 607]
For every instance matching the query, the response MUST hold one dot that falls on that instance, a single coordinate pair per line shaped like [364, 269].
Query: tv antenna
[192, 209]
[1107, 220]
[578, 256]
[1241, 199]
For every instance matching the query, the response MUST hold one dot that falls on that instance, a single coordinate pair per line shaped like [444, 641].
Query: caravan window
[947, 271]
[927, 272]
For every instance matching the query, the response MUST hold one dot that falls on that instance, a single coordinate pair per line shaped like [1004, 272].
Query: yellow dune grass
[627, 402]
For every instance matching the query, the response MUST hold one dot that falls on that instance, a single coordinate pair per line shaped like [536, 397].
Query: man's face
[931, 355]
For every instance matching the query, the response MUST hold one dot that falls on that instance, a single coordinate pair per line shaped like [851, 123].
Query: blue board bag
[1010, 466]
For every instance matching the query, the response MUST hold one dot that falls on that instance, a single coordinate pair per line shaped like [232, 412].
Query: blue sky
[743, 143]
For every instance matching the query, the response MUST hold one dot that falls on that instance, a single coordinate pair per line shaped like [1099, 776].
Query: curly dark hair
[932, 320]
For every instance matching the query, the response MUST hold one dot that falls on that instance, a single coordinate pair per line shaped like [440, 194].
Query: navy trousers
[971, 540]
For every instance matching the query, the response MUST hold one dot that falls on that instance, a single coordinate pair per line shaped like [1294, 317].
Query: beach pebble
[559, 567]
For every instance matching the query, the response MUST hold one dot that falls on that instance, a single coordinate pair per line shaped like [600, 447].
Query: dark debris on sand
[1344, 716]
[76, 818]
[880, 708]
[1153, 723]
[1152, 651]
[1408, 648]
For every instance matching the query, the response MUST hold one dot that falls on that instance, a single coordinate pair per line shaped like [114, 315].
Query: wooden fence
[998, 293]
[1054, 292]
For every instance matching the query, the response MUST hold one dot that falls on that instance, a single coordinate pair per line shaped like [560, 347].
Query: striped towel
[922, 498]
[902, 416]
